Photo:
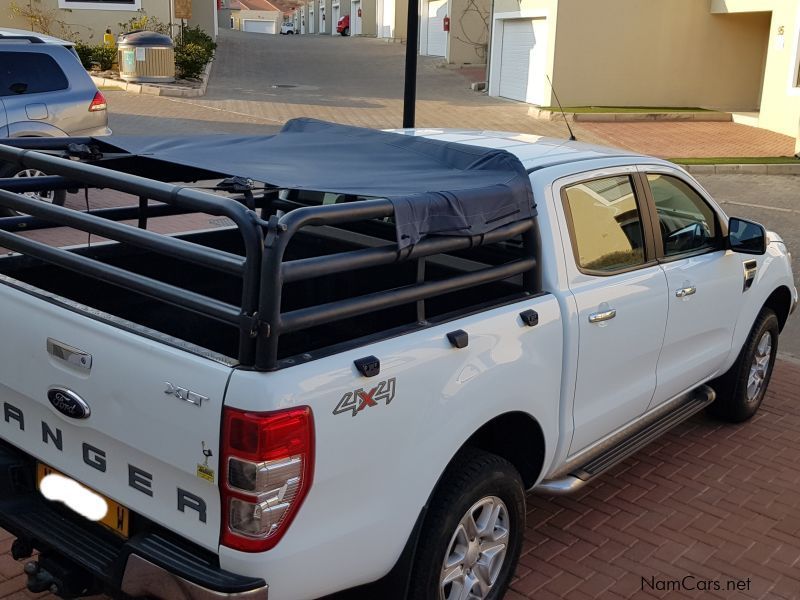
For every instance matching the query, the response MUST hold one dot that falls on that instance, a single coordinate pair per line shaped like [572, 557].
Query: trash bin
[146, 56]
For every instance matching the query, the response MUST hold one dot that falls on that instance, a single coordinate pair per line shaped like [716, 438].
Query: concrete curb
[744, 169]
[538, 113]
[157, 90]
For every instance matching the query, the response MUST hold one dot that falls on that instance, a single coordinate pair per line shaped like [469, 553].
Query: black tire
[472, 477]
[10, 170]
[290, 33]
[735, 402]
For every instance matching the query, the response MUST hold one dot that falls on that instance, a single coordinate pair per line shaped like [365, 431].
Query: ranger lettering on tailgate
[138, 479]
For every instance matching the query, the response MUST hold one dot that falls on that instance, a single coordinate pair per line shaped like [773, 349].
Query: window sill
[98, 5]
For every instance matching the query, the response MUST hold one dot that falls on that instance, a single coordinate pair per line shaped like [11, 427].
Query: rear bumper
[151, 563]
[100, 131]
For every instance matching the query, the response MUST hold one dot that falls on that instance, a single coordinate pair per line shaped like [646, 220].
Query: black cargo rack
[265, 229]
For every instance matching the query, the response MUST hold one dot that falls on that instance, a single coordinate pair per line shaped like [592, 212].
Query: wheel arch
[517, 437]
[780, 302]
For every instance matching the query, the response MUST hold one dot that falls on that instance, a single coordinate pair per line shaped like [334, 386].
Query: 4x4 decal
[357, 400]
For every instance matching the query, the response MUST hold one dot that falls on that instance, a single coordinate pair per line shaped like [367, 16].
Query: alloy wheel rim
[476, 552]
[44, 196]
[759, 367]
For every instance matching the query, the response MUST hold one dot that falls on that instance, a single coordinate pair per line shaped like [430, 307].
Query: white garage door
[355, 20]
[437, 36]
[259, 26]
[522, 60]
[335, 19]
[385, 18]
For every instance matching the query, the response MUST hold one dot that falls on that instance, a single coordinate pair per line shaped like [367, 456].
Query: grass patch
[107, 88]
[739, 160]
[626, 109]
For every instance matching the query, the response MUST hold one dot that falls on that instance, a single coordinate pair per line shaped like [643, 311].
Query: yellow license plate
[117, 518]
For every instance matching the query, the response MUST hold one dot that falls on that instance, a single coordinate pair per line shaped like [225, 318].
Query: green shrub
[104, 56]
[85, 53]
[195, 35]
[96, 57]
[191, 59]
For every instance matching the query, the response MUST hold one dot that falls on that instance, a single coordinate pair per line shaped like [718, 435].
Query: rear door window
[29, 73]
[606, 225]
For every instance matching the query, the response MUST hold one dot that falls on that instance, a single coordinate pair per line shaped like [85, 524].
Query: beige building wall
[400, 19]
[780, 98]
[90, 24]
[676, 53]
[469, 32]
[369, 23]
[204, 15]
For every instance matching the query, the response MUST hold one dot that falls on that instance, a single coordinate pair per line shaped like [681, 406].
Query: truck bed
[221, 338]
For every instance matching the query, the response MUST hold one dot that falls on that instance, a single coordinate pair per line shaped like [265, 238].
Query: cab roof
[534, 151]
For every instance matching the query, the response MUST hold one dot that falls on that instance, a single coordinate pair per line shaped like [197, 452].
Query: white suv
[287, 28]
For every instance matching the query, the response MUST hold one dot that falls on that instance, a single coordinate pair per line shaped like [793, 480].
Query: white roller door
[522, 60]
[385, 18]
[335, 19]
[355, 18]
[258, 26]
[435, 12]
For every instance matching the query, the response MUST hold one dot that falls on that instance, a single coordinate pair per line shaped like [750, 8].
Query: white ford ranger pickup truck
[364, 352]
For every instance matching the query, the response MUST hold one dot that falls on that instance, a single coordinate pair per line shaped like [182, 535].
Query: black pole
[410, 90]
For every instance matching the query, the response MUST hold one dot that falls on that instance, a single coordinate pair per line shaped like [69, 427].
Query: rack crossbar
[159, 290]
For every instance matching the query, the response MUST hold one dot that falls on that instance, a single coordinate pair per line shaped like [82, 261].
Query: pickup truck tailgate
[151, 451]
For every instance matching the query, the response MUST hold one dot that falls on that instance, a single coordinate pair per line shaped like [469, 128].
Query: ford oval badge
[68, 403]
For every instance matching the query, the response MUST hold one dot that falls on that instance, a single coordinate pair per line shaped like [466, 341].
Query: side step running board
[581, 475]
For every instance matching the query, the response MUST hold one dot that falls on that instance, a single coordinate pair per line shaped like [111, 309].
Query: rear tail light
[98, 102]
[267, 467]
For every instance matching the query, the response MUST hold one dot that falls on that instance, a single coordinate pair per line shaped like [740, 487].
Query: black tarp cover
[436, 187]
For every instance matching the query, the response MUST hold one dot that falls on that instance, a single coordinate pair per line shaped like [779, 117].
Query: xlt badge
[186, 395]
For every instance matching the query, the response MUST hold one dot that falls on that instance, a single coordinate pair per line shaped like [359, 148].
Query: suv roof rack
[31, 38]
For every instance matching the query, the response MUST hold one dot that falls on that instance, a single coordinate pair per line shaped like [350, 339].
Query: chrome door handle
[599, 317]
[687, 291]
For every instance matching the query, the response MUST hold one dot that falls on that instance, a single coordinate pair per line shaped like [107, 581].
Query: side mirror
[746, 237]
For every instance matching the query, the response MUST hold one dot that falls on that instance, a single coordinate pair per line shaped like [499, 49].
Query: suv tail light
[267, 467]
[98, 102]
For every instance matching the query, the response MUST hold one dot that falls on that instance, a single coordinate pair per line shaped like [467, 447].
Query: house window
[101, 4]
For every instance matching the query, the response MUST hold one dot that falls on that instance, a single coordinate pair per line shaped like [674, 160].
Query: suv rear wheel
[472, 535]
[56, 197]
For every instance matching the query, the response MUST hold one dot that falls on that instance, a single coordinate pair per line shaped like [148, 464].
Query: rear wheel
[346, 31]
[56, 197]
[741, 390]
[472, 535]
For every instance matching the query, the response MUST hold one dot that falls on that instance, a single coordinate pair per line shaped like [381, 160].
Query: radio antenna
[572, 137]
